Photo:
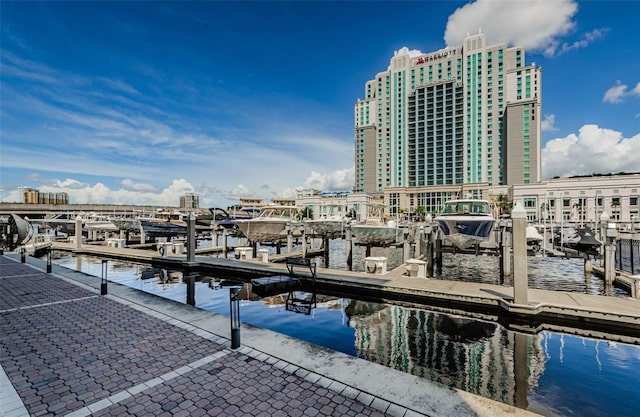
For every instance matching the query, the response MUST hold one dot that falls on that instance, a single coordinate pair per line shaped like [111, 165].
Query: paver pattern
[238, 385]
[23, 287]
[67, 350]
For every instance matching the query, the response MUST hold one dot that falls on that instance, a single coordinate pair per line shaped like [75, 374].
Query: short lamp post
[234, 303]
[103, 283]
[23, 254]
[49, 255]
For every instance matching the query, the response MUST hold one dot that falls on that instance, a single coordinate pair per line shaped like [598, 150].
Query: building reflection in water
[476, 356]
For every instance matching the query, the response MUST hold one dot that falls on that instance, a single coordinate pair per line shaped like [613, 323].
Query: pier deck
[69, 351]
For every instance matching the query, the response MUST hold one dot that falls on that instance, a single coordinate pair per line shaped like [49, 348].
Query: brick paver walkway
[68, 351]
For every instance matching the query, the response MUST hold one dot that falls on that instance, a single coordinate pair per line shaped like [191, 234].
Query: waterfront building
[189, 201]
[252, 202]
[283, 201]
[33, 196]
[334, 203]
[431, 199]
[581, 199]
[466, 117]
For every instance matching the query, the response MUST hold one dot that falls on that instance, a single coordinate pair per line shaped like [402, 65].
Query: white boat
[99, 222]
[465, 222]
[59, 222]
[534, 240]
[332, 222]
[126, 223]
[376, 228]
[271, 225]
[533, 236]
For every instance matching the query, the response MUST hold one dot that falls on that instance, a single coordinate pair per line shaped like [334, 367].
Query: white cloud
[592, 150]
[582, 43]
[140, 193]
[342, 180]
[131, 185]
[82, 193]
[549, 123]
[618, 92]
[536, 25]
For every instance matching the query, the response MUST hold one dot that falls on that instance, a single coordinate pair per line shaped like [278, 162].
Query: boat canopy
[466, 207]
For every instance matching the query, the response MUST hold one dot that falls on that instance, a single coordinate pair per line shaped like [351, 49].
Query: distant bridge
[42, 211]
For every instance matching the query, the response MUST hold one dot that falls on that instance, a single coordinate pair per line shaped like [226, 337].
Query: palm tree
[504, 205]
[306, 213]
[615, 208]
[544, 211]
[578, 211]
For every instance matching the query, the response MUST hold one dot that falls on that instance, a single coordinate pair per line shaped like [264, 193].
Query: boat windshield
[466, 207]
[284, 212]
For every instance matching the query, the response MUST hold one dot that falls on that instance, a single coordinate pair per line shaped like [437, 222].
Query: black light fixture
[49, 255]
[103, 283]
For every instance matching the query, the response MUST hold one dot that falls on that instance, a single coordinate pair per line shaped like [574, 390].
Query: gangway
[277, 284]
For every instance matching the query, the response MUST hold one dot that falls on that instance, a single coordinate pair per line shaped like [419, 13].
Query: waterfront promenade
[66, 350]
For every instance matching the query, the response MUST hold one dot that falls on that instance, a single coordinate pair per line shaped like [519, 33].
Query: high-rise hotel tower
[458, 116]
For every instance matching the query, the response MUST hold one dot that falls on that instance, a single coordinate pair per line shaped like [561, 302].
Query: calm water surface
[549, 373]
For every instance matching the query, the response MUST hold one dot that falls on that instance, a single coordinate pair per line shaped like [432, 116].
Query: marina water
[548, 373]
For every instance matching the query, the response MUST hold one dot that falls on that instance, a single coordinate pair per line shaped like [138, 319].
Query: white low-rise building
[581, 199]
[336, 203]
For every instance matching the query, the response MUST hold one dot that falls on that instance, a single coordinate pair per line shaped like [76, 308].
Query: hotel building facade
[440, 125]
[581, 200]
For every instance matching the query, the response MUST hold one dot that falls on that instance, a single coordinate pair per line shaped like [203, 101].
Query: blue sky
[140, 102]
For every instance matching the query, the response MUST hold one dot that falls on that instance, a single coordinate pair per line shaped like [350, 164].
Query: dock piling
[610, 254]
[438, 254]
[507, 246]
[225, 248]
[519, 243]
[78, 232]
[406, 244]
[349, 245]
[191, 237]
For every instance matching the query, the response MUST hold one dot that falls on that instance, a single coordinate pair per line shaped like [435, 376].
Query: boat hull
[264, 230]
[162, 229]
[465, 231]
[127, 224]
[376, 234]
[326, 227]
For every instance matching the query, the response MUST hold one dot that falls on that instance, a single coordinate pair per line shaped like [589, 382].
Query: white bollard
[416, 268]
[263, 255]
[375, 265]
